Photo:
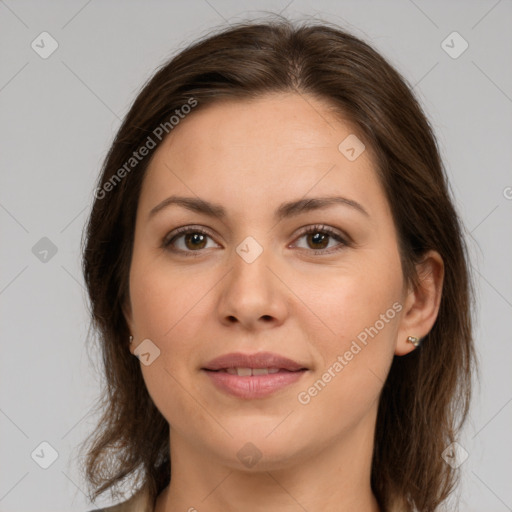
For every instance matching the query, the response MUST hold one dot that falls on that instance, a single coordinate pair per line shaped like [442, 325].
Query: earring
[415, 341]
[131, 339]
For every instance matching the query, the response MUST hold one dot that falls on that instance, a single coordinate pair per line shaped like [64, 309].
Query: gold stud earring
[415, 341]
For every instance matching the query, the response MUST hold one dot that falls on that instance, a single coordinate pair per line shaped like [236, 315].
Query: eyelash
[318, 228]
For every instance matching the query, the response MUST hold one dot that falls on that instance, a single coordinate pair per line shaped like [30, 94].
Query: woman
[274, 241]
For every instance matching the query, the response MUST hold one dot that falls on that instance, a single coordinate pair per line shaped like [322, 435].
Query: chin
[253, 451]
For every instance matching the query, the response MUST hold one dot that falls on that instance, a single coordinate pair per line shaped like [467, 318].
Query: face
[320, 286]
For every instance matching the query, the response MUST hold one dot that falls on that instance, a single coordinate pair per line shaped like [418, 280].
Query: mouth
[253, 376]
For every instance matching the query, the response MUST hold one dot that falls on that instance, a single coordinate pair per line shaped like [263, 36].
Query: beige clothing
[139, 502]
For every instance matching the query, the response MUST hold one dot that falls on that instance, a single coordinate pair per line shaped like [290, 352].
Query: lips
[253, 376]
[259, 361]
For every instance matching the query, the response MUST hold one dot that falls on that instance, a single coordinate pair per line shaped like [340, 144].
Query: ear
[422, 301]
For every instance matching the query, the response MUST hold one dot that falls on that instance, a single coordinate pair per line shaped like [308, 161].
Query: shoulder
[139, 502]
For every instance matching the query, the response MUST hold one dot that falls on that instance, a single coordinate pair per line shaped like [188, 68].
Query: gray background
[58, 118]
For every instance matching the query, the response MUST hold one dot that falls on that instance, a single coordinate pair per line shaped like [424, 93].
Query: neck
[335, 478]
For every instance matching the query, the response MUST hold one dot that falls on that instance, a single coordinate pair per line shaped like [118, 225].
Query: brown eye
[318, 240]
[187, 240]
[194, 240]
[319, 237]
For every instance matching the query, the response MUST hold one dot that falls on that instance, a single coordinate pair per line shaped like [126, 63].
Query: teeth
[247, 372]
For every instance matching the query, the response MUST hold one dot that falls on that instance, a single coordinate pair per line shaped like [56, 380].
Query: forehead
[289, 122]
[249, 151]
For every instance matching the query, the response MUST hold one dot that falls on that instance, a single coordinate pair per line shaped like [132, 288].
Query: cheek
[170, 308]
[160, 297]
[346, 300]
[353, 332]
[167, 309]
[355, 360]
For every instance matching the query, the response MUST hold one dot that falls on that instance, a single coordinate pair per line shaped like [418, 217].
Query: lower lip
[254, 386]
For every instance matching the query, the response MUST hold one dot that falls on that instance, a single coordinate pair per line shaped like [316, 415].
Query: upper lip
[258, 360]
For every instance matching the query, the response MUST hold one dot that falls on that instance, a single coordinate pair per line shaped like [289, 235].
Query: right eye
[187, 240]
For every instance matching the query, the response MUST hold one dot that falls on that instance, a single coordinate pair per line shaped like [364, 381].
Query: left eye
[192, 239]
[319, 236]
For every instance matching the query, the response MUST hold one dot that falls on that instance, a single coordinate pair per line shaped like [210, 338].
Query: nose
[252, 294]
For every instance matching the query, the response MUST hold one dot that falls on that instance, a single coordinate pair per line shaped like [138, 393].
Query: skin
[249, 157]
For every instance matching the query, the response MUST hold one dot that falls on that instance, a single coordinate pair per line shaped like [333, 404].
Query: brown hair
[425, 399]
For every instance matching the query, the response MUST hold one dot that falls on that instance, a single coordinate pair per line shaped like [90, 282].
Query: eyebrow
[285, 210]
